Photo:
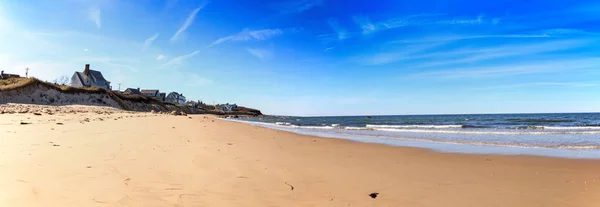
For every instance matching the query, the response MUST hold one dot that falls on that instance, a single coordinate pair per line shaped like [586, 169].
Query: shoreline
[144, 159]
[442, 147]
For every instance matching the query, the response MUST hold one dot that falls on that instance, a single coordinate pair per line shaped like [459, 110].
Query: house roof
[97, 75]
[133, 91]
[8, 75]
[87, 80]
[149, 91]
[84, 79]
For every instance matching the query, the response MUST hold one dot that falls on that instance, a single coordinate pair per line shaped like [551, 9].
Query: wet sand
[142, 159]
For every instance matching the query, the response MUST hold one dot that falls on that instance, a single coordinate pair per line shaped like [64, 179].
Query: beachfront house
[89, 78]
[226, 107]
[175, 97]
[132, 91]
[151, 93]
[162, 96]
[8, 75]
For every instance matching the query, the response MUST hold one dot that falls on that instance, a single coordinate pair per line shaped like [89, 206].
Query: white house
[175, 98]
[226, 107]
[89, 78]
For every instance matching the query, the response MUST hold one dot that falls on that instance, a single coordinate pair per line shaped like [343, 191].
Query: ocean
[560, 134]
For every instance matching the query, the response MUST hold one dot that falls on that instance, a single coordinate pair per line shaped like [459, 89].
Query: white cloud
[149, 41]
[450, 38]
[408, 52]
[410, 20]
[262, 54]
[160, 57]
[85, 50]
[341, 33]
[179, 60]
[187, 23]
[95, 16]
[433, 19]
[496, 52]
[329, 48]
[247, 34]
[365, 24]
[511, 69]
[540, 84]
[297, 6]
[467, 55]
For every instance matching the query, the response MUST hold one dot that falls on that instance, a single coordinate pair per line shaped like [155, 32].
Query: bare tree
[62, 80]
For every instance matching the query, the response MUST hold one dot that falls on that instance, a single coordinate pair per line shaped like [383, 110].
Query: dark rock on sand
[373, 195]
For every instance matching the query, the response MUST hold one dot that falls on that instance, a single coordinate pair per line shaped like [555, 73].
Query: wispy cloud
[416, 20]
[449, 38]
[262, 54]
[176, 62]
[160, 57]
[365, 24]
[149, 41]
[504, 51]
[329, 48]
[435, 19]
[460, 55]
[189, 21]
[247, 34]
[406, 53]
[511, 69]
[340, 31]
[296, 6]
[95, 16]
[540, 34]
[540, 84]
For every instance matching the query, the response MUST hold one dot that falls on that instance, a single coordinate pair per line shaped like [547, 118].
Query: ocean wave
[488, 132]
[358, 128]
[345, 133]
[572, 127]
[283, 123]
[412, 126]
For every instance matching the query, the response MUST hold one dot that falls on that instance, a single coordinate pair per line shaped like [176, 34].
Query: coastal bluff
[34, 91]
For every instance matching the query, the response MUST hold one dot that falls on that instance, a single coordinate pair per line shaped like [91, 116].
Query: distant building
[7, 75]
[163, 96]
[89, 78]
[176, 98]
[195, 104]
[226, 107]
[132, 91]
[152, 93]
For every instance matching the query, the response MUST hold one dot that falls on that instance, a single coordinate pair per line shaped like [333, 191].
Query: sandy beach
[102, 157]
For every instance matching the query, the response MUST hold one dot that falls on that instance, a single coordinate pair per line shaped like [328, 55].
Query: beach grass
[20, 83]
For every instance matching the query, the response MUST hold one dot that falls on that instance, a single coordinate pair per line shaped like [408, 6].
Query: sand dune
[143, 159]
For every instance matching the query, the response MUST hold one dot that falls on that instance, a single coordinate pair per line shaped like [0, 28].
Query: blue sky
[322, 57]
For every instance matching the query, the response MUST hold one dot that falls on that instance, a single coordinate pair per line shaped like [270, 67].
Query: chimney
[139, 89]
[87, 69]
